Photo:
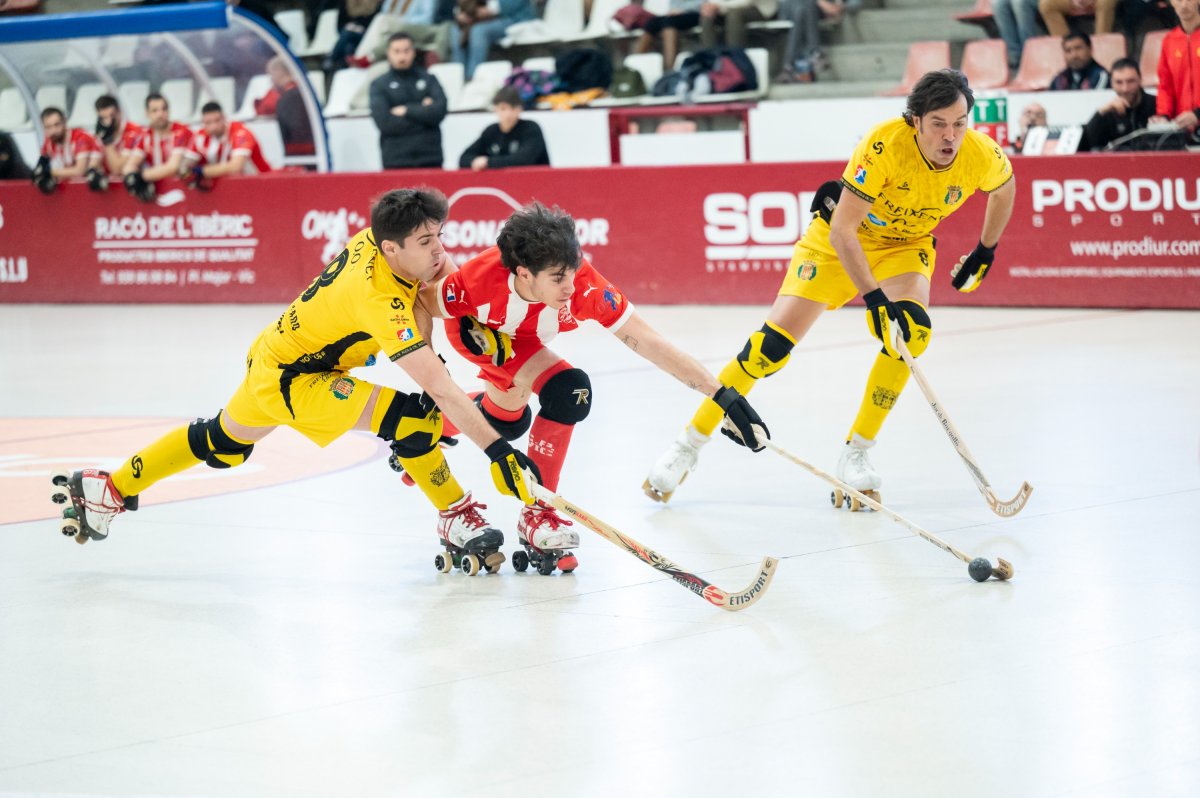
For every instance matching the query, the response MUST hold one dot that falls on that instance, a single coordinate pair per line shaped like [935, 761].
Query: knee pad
[566, 397]
[508, 430]
[211, 444]
[920, 326]
[765, 352]
[412, 422]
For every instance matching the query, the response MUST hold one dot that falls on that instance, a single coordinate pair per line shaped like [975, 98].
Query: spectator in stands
[481, 23]
[408, 106]
[683, 15]
[159, 151]
[117, 135]
[417, 18]
[802, 57]
[12, 165]
[1082, 71]
[285, 102]
[1179, 70]
[1131, 110]
[732, 16]
[66, 153]
[353, 18]
[511, 141]
[221, 148]
[1033, 115]
[1017, 21]
[1055, 13]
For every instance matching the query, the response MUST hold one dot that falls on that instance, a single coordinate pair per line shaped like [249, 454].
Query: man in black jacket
[512, 141]
[1129, 111]
[1082, 71]
[408, 106]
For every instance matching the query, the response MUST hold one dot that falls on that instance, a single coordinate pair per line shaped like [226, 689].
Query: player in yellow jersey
[297, 375]
[905, 176]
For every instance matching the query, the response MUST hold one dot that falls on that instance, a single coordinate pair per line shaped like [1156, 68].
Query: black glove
[107, 134]
[826, 199]
[480, 339]
[881, 312]
[744, 419]
[96, 180]
[511, 470]
[137, 186]
[43, 178]
[969, 272]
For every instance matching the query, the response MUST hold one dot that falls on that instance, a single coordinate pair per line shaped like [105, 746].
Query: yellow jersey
[908, 194]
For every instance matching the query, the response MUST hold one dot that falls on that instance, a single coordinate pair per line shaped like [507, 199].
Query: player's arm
[429, 293]
[133, 163]
[970, 270]
[843, 235]
[234, 166]
[82, 164]
[168, 169]
[639, 336]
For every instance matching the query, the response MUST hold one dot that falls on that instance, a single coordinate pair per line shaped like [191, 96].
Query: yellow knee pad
[411, 421]
[920, 326]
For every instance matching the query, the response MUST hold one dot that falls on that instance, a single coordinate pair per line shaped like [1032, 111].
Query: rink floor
[280, 630]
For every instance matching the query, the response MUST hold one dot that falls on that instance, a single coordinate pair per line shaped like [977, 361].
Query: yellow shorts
[816, 273]
[321, 406]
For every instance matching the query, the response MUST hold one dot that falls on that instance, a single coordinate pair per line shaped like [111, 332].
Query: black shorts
[685, 21]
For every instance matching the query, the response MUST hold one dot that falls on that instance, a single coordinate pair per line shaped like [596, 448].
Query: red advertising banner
[1088, 231]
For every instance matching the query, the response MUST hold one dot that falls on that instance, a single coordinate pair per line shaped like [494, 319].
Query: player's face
[507, 115]
[214, 124]
[1077, 53]
[1127, 85]
[55, 127]
[940, 133]
[400, 54]
[418, 257]
[158, 114]
[552, 287]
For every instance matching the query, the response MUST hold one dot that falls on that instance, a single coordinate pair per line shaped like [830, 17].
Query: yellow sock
[432, 474]
[887, 379]
[168, 455]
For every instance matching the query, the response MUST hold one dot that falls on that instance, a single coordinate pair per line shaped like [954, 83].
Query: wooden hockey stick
[738, 600]
[1002, 571]
[1005, 509]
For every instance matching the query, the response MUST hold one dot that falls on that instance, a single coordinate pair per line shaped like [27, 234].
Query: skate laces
[110, 503]
[539, 515]
[468, 513]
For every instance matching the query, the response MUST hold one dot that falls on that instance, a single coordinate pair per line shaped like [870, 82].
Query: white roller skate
[856, 470]
[471, 543]
[674, 465]
[544, 535]
[94, 502]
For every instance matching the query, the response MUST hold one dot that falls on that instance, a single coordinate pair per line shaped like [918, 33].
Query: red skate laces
[467, 511]
[110, 502]
[535, 516]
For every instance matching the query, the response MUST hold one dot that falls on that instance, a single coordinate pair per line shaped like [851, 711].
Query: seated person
[802, 56]
[732, 16]
[66, 153]
[1178, 78]
[1082, 71]
[512, 141]
[117, 135]
[353, 18]
[221, 148]
[286, 104]
[1055, 13]
[481, 24]
[1131, 110]
[682, 15]
[1033, 115]
[417, 18]
[159, 151]
[12, 165]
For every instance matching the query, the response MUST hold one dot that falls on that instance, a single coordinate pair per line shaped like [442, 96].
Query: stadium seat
[922, 57]
[291, 22]
[180, 97]
[223, 90]
[1151, 50]
[450, 74]
[326, 34]
[132, 95]
[545, 63]
[560, 19]
[982, 16]
[1041, 59]
[489, 77]
[256, 89]
[1107, 48]
[985, 63]
[13, 113]
[52, 94]
[316, 79]
[83, 110]
[346, 82]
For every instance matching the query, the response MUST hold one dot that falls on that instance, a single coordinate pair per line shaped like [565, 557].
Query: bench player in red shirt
[221, 148]
[66, 153]
[159, 152]
[116, 134]
[506, 305]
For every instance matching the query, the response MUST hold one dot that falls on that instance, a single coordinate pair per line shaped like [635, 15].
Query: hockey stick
[1005, 509]
[1003, 571]
[738, 600]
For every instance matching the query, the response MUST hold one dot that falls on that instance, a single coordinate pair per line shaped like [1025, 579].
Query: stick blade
[1003, 571]
[740, 600]
[1014, 505]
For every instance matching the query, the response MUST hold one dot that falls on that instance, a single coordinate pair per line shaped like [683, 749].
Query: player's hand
[43, 176]
[107, 134]
[881, 314]
[970, 270]
[480, 339]
[512, 471]
[137, 186]
[96, 180]
[746, 424]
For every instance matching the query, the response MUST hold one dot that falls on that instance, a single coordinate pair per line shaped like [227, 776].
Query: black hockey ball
[980, 569]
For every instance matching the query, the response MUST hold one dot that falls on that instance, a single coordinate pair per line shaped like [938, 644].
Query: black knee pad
[411, 422]
[566, 397]
[210, 443]
[508, 430]
[920, 326]
[766, 351]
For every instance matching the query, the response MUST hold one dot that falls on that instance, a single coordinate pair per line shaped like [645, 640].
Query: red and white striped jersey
[238, 140]
[483, 288]
[131, 134]
[77, 145]
[159, 146]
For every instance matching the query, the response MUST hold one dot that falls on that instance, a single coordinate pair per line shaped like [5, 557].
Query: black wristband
[986, 249]
[876, 297]
[498, 449]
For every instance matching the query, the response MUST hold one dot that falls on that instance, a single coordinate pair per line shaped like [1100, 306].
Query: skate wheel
[69, 527]
[520, 561]
[394, 463]
[654, 493]
[60, 478]
[546, 566]
[443, 563]
[60, 496]
[833, 498]
[855, 504]
[81, 538]
[568, 563]
[470, 564]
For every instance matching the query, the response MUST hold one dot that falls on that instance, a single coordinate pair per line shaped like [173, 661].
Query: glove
[747, 424]
[969, 272]
[512, 470]
[194, 178]
[43, 178]
[880, 313]
[826, 199]
[96, 180]
[137, 186]
[482, 340]
[107, 134]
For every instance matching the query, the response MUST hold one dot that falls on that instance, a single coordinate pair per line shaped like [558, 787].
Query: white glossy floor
[295, 640]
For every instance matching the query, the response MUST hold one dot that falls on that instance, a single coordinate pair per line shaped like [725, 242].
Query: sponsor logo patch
[860, 175]
[875, 220]
[406, 334]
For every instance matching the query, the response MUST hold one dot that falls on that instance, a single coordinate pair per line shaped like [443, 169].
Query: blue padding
[148, 19]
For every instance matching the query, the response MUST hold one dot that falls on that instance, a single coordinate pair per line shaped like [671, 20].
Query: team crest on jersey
[342, 388]
[860, 174]
[807, 270]
[953, 195]
[406, 334]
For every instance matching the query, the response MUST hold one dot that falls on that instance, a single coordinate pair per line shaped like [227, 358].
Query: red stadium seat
[1041, 59]
[985, 63]
[1107, 48]
[922, 57]
[1151, 50]
[982, 16]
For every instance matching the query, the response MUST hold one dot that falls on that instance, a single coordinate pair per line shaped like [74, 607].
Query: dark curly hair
[397, 214]
[539, 238]
[938, 90]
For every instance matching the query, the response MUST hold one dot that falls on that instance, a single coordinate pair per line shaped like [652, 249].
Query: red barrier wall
[1088, 231]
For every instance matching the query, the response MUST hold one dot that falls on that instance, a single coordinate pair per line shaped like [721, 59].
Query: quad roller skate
[546, 542]
[856, 470]
[673, 466]
[92, 503]
[471, 544]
